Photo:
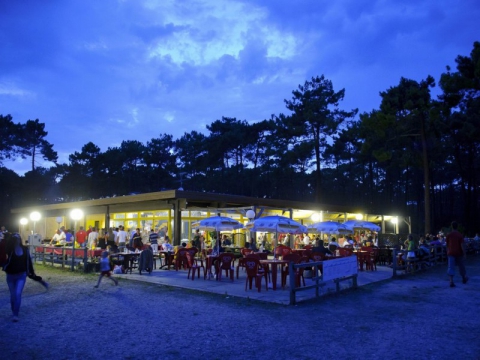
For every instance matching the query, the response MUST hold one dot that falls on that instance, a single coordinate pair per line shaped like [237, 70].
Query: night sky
[113, 70]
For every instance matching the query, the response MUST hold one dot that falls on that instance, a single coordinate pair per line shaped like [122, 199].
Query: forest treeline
[414, 155]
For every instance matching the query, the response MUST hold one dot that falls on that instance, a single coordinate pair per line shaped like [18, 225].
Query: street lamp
[394, 221]
[250, 215]
[75, 214]
[316, 217]
[35, 216]
[23, 222]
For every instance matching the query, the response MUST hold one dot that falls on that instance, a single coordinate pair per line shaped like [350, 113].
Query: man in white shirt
[93, 239]
[121, 237]
[306, 240]
[58, 238]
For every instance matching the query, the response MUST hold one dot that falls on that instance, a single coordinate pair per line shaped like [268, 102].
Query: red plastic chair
[194, 264]
[263, 269]
[370, 258]
[241, 261]
[362, 259]
[181, 259]
[317, 256]
[299, 273]
[345, 252]
[252, 266]
[282, 250]
[225, 262]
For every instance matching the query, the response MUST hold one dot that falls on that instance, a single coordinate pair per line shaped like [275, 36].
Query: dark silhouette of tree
[34, 144]
[316, 117]
[10, 138]
[160, 160]
[461, 121]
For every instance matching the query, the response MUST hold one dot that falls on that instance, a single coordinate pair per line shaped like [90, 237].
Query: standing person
[105, 269]
[111, 243]
[18, 267]
[306, 240]
[3, 231]
[297, 242]
[58, 238]
[456, 254]
[68, 237]
[80, 237]
[137, 242]
[121, 238]
[3, 253]
[196, 240]
[90, 229]
[411, 245]
[93, 239]
[153, 238]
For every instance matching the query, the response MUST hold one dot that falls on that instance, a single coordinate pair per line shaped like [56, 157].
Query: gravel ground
[417, 316]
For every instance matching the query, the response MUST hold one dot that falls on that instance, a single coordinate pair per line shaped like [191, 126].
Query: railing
[62, 254]
[437, 255]
[318, 267]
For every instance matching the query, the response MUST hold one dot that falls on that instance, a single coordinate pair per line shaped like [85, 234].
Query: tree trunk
[426, 179]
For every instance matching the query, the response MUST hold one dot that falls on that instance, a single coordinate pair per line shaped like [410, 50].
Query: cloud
[104, 71]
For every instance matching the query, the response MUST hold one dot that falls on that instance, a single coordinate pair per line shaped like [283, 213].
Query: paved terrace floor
[237, 288]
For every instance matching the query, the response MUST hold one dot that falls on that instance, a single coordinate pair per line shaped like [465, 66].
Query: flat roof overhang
[186, 200]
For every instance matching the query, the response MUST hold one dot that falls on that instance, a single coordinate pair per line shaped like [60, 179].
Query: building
[174, 211]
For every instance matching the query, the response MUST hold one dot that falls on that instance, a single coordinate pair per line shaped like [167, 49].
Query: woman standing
[137, 242]
[18, 267]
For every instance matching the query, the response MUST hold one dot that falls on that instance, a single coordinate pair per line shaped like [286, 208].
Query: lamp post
[23, 222]
[394, 221]
[35, 216]
[75, 214]
[251, 216]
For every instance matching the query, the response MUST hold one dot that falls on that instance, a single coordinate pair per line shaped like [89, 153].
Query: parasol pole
[275, 244]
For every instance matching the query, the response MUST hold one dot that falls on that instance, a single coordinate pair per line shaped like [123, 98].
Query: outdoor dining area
[281, 269]
[258, 269]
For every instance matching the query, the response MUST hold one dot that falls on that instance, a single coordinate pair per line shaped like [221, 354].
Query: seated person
[217, 247]
[435, 241]
[226, 241]
[253, 245]
[368, 242]
[166, 246]
[137, 242]
[333, 245]
[322, 249]
[425, 250]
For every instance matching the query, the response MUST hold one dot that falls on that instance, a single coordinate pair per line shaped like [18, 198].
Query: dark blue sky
[113, 70]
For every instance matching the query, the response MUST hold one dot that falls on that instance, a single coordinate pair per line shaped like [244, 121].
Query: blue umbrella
[329, 227]
[362, 225]
[276, 224]
[217, 223]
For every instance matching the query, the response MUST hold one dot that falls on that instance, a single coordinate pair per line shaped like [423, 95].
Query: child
[105, 269]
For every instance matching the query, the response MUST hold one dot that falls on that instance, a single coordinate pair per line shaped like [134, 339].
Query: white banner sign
[338, 268]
